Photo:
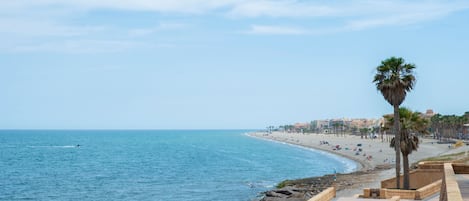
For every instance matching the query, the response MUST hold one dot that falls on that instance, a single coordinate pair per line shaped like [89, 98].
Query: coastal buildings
[429, 113]
[444, 125]
[341, 125]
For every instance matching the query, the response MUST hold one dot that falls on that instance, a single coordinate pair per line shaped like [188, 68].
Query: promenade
[463, 183]
[373, 153]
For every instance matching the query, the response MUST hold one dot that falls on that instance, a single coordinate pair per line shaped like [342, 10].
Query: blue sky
[141, 64]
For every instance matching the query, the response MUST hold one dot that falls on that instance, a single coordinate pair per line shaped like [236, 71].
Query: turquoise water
[162, 165]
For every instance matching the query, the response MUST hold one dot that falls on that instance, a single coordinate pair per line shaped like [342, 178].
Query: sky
[222, 64]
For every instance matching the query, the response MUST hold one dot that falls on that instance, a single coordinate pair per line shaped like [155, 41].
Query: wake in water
[260, 184]
[57, 146]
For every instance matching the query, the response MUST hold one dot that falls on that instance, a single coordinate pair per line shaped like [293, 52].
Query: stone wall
[459, 168]
[326, 195]
[450, 188]
[431, 165]
[418, 178]
[428, 190]
[425, 182]
[403, 194]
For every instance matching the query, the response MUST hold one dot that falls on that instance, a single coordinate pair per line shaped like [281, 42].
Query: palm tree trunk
[405, 159]
[397, 140]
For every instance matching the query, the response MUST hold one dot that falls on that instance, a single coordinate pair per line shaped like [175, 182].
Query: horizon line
[120, 129]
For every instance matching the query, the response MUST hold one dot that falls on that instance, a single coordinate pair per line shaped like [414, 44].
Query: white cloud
[79, 46]
[142, 32]
[384, 21]
[275, 30]
[181, 6]
[28, 27]
[35, 20]
[349, 17]
[239, 8]
[166, 26]
[405, 14]
[281, 9]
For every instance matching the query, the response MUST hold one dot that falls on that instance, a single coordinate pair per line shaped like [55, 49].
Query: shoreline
[360, 165]
[374, 156]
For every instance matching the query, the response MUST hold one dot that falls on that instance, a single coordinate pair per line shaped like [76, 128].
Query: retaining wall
[450, 189]
[418, 178]
[325, 195]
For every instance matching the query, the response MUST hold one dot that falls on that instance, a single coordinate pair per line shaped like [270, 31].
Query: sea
[166, 165]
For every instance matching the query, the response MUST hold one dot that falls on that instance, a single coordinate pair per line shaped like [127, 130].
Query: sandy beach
[370, 153]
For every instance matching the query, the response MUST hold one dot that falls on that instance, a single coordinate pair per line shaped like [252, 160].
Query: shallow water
[151, 165]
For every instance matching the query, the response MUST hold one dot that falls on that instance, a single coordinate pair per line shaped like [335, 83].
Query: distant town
[452, 126]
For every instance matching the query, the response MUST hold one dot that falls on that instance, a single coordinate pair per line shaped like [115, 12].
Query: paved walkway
[355, 199]
[463, 182]
[431, 198]
[435, 197]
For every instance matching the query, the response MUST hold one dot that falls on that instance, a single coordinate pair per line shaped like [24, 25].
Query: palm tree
[436, 122]
[466, 115]
[364, 132]
[394, 78]
[334, 128]
[412, 124]
[461, 121]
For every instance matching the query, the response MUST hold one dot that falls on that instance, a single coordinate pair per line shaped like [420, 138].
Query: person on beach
[335, 174]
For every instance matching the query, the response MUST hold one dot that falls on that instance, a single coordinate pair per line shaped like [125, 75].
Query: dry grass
[457, 157]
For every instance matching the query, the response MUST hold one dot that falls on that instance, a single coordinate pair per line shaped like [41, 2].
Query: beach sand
[374, 153]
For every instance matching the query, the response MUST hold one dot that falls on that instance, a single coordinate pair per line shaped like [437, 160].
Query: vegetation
[448, 157]
[412, 124]
[282, 184]
[364, 132]
[448, 126]
[442, 126]
[394, 78]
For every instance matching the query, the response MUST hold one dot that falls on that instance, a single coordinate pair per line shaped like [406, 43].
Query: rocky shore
[304, 189]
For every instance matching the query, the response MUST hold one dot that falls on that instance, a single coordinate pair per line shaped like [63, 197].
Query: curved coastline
[360, 164]
[348, 183]
[374, 155]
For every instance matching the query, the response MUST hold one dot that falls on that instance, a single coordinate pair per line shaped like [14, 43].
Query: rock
[284, 192]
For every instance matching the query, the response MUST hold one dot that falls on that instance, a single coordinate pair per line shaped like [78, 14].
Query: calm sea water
[162, 165]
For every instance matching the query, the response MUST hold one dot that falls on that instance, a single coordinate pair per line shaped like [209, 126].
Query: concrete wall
[419, 194]
[418, 178]
[431, 165]
[426, 182]
[450, 189]
[433, 177]
[428, 190]
[403, 194]
[325, 195]
[459, 168]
